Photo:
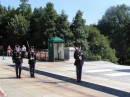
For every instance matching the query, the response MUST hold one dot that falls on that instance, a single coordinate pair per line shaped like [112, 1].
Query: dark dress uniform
[32, 62]
[18, 60]
[79, 61]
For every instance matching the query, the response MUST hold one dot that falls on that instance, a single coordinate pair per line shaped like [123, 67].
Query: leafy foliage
[99, 46]
[107, 40]
[63, 28]
[19, 25]
[49, 20]
[78, 29]
[114, 24]
[24, 9]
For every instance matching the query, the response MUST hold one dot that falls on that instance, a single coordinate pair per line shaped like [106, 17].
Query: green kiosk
[56, 49]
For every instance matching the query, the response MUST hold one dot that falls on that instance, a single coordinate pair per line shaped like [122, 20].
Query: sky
[93, 10]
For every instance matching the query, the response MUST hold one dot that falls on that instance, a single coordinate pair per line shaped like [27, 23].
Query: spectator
[23, 51]
[9, 51]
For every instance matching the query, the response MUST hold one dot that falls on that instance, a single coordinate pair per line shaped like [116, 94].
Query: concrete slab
[118, 74]
[57, 79]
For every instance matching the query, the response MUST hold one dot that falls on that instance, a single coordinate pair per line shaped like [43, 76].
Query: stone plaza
[58, 79]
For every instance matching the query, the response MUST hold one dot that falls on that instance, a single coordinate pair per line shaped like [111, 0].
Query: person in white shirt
[23, 51]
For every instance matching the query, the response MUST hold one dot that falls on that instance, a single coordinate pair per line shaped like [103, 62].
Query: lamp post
[2, 48]
[3, 55]
[44, 44]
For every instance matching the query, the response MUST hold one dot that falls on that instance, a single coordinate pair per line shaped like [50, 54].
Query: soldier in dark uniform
[32, 61]
[79, 61]
[17, 59]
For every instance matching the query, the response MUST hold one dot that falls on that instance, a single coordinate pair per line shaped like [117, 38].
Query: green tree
[18, 25]
[113, 24]
[48, 21]
[99, 46]
[79, 31]
[127, 56]
[25, 9]
[2, 13]
[36, 29]
[7, 35]
[63, 28]
[3, 22]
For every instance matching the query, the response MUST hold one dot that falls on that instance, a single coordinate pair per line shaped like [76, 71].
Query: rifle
[28, 45]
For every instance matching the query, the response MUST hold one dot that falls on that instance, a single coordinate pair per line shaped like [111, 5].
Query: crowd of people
[10, 51]
[19, 53]
[40, 54]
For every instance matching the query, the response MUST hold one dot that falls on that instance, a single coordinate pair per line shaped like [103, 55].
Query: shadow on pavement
[8, 78]
[53, 82]
[93, 86]
[124, 70]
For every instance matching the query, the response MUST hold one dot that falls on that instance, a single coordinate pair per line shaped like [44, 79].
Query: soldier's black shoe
[32, 76]
[78, 81]
[19, 77]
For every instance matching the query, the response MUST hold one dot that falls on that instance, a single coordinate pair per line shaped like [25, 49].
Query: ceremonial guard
[79, 61]
[32, 61]
[17, 59]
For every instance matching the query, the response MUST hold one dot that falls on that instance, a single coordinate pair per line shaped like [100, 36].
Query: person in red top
[9, 51]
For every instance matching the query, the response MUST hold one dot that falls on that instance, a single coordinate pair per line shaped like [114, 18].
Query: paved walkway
[57, 79]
